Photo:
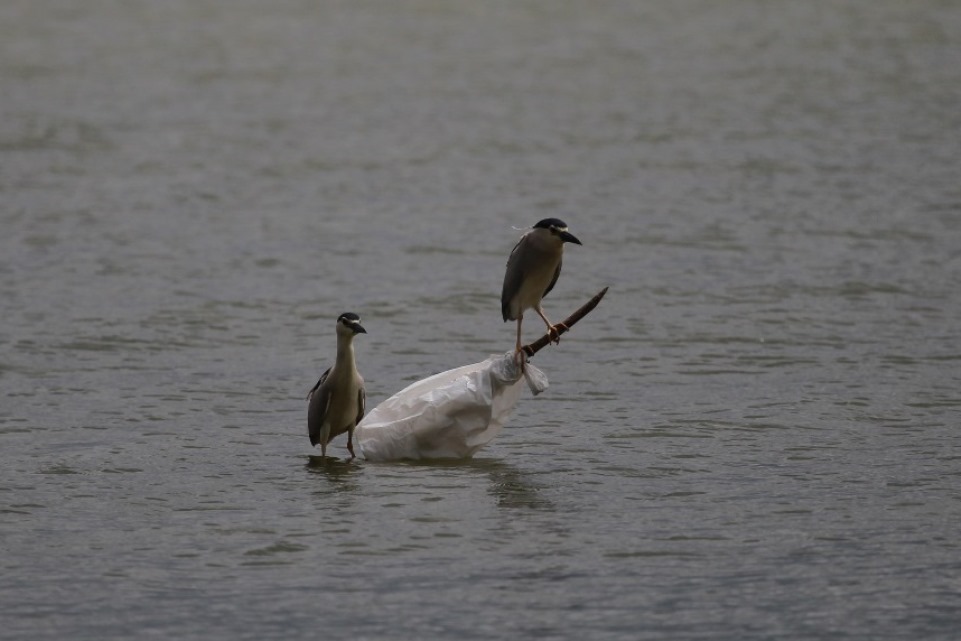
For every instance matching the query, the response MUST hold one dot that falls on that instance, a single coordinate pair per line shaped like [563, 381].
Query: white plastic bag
[449, 415]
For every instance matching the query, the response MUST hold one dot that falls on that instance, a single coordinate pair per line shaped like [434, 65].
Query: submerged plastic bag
[449, 415]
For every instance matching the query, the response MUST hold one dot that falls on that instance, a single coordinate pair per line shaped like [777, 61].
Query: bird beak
[568, 237]
[358, 328]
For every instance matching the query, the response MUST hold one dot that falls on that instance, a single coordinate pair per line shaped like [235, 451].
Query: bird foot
[554, 333]
[520, 358]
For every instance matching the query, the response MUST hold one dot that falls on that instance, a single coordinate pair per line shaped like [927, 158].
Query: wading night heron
[532, 271]
[336, 403]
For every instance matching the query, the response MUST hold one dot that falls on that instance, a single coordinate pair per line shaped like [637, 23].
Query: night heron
[336, 403]
[532, 271]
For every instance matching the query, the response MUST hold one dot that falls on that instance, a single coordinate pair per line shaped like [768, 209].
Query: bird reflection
[509, 486]
[336, 470]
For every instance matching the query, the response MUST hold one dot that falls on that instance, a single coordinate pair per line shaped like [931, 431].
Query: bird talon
[520, 358]
[554, 332]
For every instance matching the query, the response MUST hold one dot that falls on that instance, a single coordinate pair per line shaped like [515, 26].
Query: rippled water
[754, 436]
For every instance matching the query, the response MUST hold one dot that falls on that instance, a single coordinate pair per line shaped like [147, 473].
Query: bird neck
[345, 351]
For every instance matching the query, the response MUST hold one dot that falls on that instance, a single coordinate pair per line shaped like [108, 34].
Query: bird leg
[519, 356]
[552, 330]
[350, 445]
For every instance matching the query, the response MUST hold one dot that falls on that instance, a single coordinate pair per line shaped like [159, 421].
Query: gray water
[754, 436]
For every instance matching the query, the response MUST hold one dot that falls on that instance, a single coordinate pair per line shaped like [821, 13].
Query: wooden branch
[532, 348]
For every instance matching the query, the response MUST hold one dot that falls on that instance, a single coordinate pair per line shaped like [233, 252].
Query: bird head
[558, 228]
[349, 323]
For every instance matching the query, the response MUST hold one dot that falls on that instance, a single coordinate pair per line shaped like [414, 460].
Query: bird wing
[557, 273]
[323, 377]
[318, 403]
[513, 279]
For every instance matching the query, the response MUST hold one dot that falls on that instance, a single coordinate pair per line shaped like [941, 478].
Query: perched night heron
[532, 271]
[336, 403]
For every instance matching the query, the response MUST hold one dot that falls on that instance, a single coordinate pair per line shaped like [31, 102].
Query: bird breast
[533, 288]
[542, 258]
[344, 384]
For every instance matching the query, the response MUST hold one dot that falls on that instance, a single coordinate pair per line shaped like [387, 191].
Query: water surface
[755, 436]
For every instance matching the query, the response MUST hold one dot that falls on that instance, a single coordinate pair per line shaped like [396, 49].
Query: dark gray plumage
[337, 402]
[532, 271]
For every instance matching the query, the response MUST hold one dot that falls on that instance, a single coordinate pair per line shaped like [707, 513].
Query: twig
[532, 348]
